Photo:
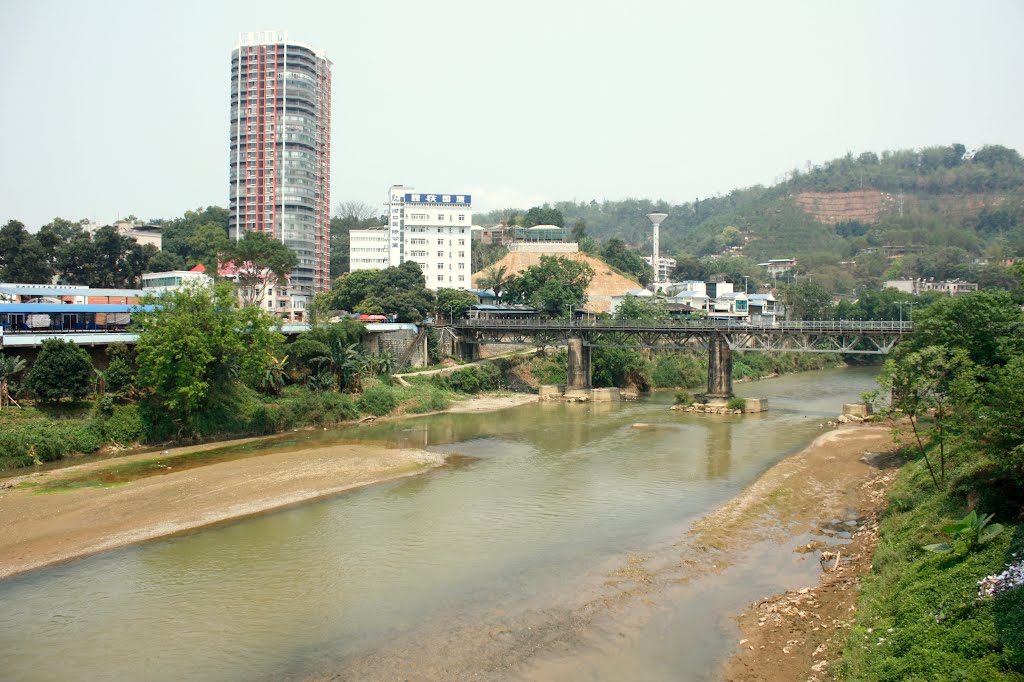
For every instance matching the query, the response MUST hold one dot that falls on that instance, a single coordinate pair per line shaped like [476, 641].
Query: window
[440, 278]
[462, 242]
[440, 242]
[462, 266]
[462, 254]
[440, 266]
[440, 216]
[462, 278]
[440, 254]
[462, 217]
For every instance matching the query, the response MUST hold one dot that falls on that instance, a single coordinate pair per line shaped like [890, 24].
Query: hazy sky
[115, 107]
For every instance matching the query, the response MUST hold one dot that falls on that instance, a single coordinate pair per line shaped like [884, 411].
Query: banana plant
[973, 529]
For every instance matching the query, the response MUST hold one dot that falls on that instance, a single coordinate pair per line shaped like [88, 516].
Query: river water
[422, 578]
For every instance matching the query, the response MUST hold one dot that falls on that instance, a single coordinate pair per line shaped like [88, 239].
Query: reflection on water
[551, 494]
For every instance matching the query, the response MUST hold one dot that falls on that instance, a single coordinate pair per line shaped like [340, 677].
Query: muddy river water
[483, 569]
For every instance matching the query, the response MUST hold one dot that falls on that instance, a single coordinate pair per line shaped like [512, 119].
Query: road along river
[548, 549]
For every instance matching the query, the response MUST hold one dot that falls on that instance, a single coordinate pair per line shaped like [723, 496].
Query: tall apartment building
[433, 230]
[281, 151]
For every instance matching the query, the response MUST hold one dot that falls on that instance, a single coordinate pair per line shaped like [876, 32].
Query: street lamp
[745, 278]
[656, 220]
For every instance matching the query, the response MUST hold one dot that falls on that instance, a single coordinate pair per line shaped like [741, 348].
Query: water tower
[656, 220]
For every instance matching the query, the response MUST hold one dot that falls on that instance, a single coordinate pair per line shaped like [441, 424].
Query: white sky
[116, 107]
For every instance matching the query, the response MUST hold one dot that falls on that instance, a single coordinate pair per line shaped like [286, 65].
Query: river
[445, 575]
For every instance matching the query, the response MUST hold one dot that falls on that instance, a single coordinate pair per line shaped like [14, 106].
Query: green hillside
[951, 211]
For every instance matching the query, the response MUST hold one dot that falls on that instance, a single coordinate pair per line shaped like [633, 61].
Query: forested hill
[933, 198]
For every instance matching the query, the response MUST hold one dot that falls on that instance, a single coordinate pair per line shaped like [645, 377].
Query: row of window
[440, 230]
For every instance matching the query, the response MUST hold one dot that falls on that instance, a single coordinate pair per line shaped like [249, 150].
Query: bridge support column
[468, 350]
[579, 364]
[719, 369]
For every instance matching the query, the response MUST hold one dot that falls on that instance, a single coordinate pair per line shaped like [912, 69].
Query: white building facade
[432, 230]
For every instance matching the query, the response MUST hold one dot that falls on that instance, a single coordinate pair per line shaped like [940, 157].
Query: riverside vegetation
[926, 614]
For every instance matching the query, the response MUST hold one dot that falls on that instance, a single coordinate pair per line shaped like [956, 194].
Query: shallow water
[548, 497]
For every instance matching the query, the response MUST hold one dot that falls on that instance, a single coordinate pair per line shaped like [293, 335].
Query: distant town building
[431, 230]
[779, 266]
[665, 266]
[11, 292]
[280, 150]
[953, 287]
[172, 280]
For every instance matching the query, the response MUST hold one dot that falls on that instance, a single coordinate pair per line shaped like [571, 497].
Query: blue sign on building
[459, 199]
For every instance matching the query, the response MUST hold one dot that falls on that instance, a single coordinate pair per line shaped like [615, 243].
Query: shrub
[737, 403]
[434, 402]
[684, 398]
[377, 400]
[62, 370]
[678, 370]
[124, 425]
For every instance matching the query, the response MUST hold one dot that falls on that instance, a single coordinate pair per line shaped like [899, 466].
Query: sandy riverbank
[44, 529]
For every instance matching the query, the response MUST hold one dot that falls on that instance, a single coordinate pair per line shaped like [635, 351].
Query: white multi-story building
[432, 230]
[665, 266]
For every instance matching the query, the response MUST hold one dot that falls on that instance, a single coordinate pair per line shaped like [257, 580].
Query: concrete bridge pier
[468, 350]
[579, 364]
[719, 369]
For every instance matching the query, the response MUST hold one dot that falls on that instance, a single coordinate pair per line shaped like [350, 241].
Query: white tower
[656, 220]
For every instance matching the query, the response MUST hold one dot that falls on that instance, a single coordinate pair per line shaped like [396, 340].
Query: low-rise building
[172, 280]
[916, 287]
[779, 266]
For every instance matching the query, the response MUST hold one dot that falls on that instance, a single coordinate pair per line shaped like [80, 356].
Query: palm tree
[494, 278]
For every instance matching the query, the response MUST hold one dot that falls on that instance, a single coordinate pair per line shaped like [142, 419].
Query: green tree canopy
[61, 370]
[553, 286]
[807, 301]
[22, 257]
[618, 255]
[636, 308]
[398, 290]
[261, 262]
[195, 343]
[454, 303]
[544, 215]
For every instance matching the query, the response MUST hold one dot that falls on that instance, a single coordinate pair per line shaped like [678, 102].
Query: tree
[398, 290]
[807, 301]
[618, 255]
[10, 366]
[260, 263]
[22, 258]
[206, 244]
[494, 278]
[195, 344]
[177, 232]
[165, 261]
[454, 303]
[999, 422]
[935, 380]
[635, 308]
[579, 229]
[61, 370]
[543, 215]
[553, 287]
[120, 374]
[105, 258]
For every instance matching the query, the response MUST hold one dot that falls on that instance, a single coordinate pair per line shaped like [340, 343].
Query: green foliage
[618, 255]
[104, 258]
[179, 237]
[684, 398]
[494, 278]
[398, 290]
[622, 367]
[543, 215]
[454, 303]
[736, 403]
[553, 286]
[120, 374]
[551, 369]
[973, 530]
[61, 370]
[808, 301]
[434, 401]
[195, 344]
[348, 216]
[22, 257]
[635, 308]
[377, 400]
[261, 263]
[471, 379]
[679, 370]
[124, 425]
[998, 423]
[919, 616]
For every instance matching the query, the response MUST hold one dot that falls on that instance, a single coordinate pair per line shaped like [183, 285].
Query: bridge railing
[797, 326]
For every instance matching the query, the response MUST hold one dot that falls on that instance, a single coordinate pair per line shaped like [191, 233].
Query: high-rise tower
[281, 151]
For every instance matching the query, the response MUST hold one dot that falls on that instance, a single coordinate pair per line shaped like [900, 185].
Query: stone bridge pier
[579, 364]
[719, 369]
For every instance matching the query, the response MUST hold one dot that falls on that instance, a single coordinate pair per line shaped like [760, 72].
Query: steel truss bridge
[720, 338]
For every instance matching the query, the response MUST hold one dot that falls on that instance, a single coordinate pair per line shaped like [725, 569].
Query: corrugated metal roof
[47, 290]
[71, 308]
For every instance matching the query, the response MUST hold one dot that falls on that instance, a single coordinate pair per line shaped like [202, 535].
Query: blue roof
[42, 308]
